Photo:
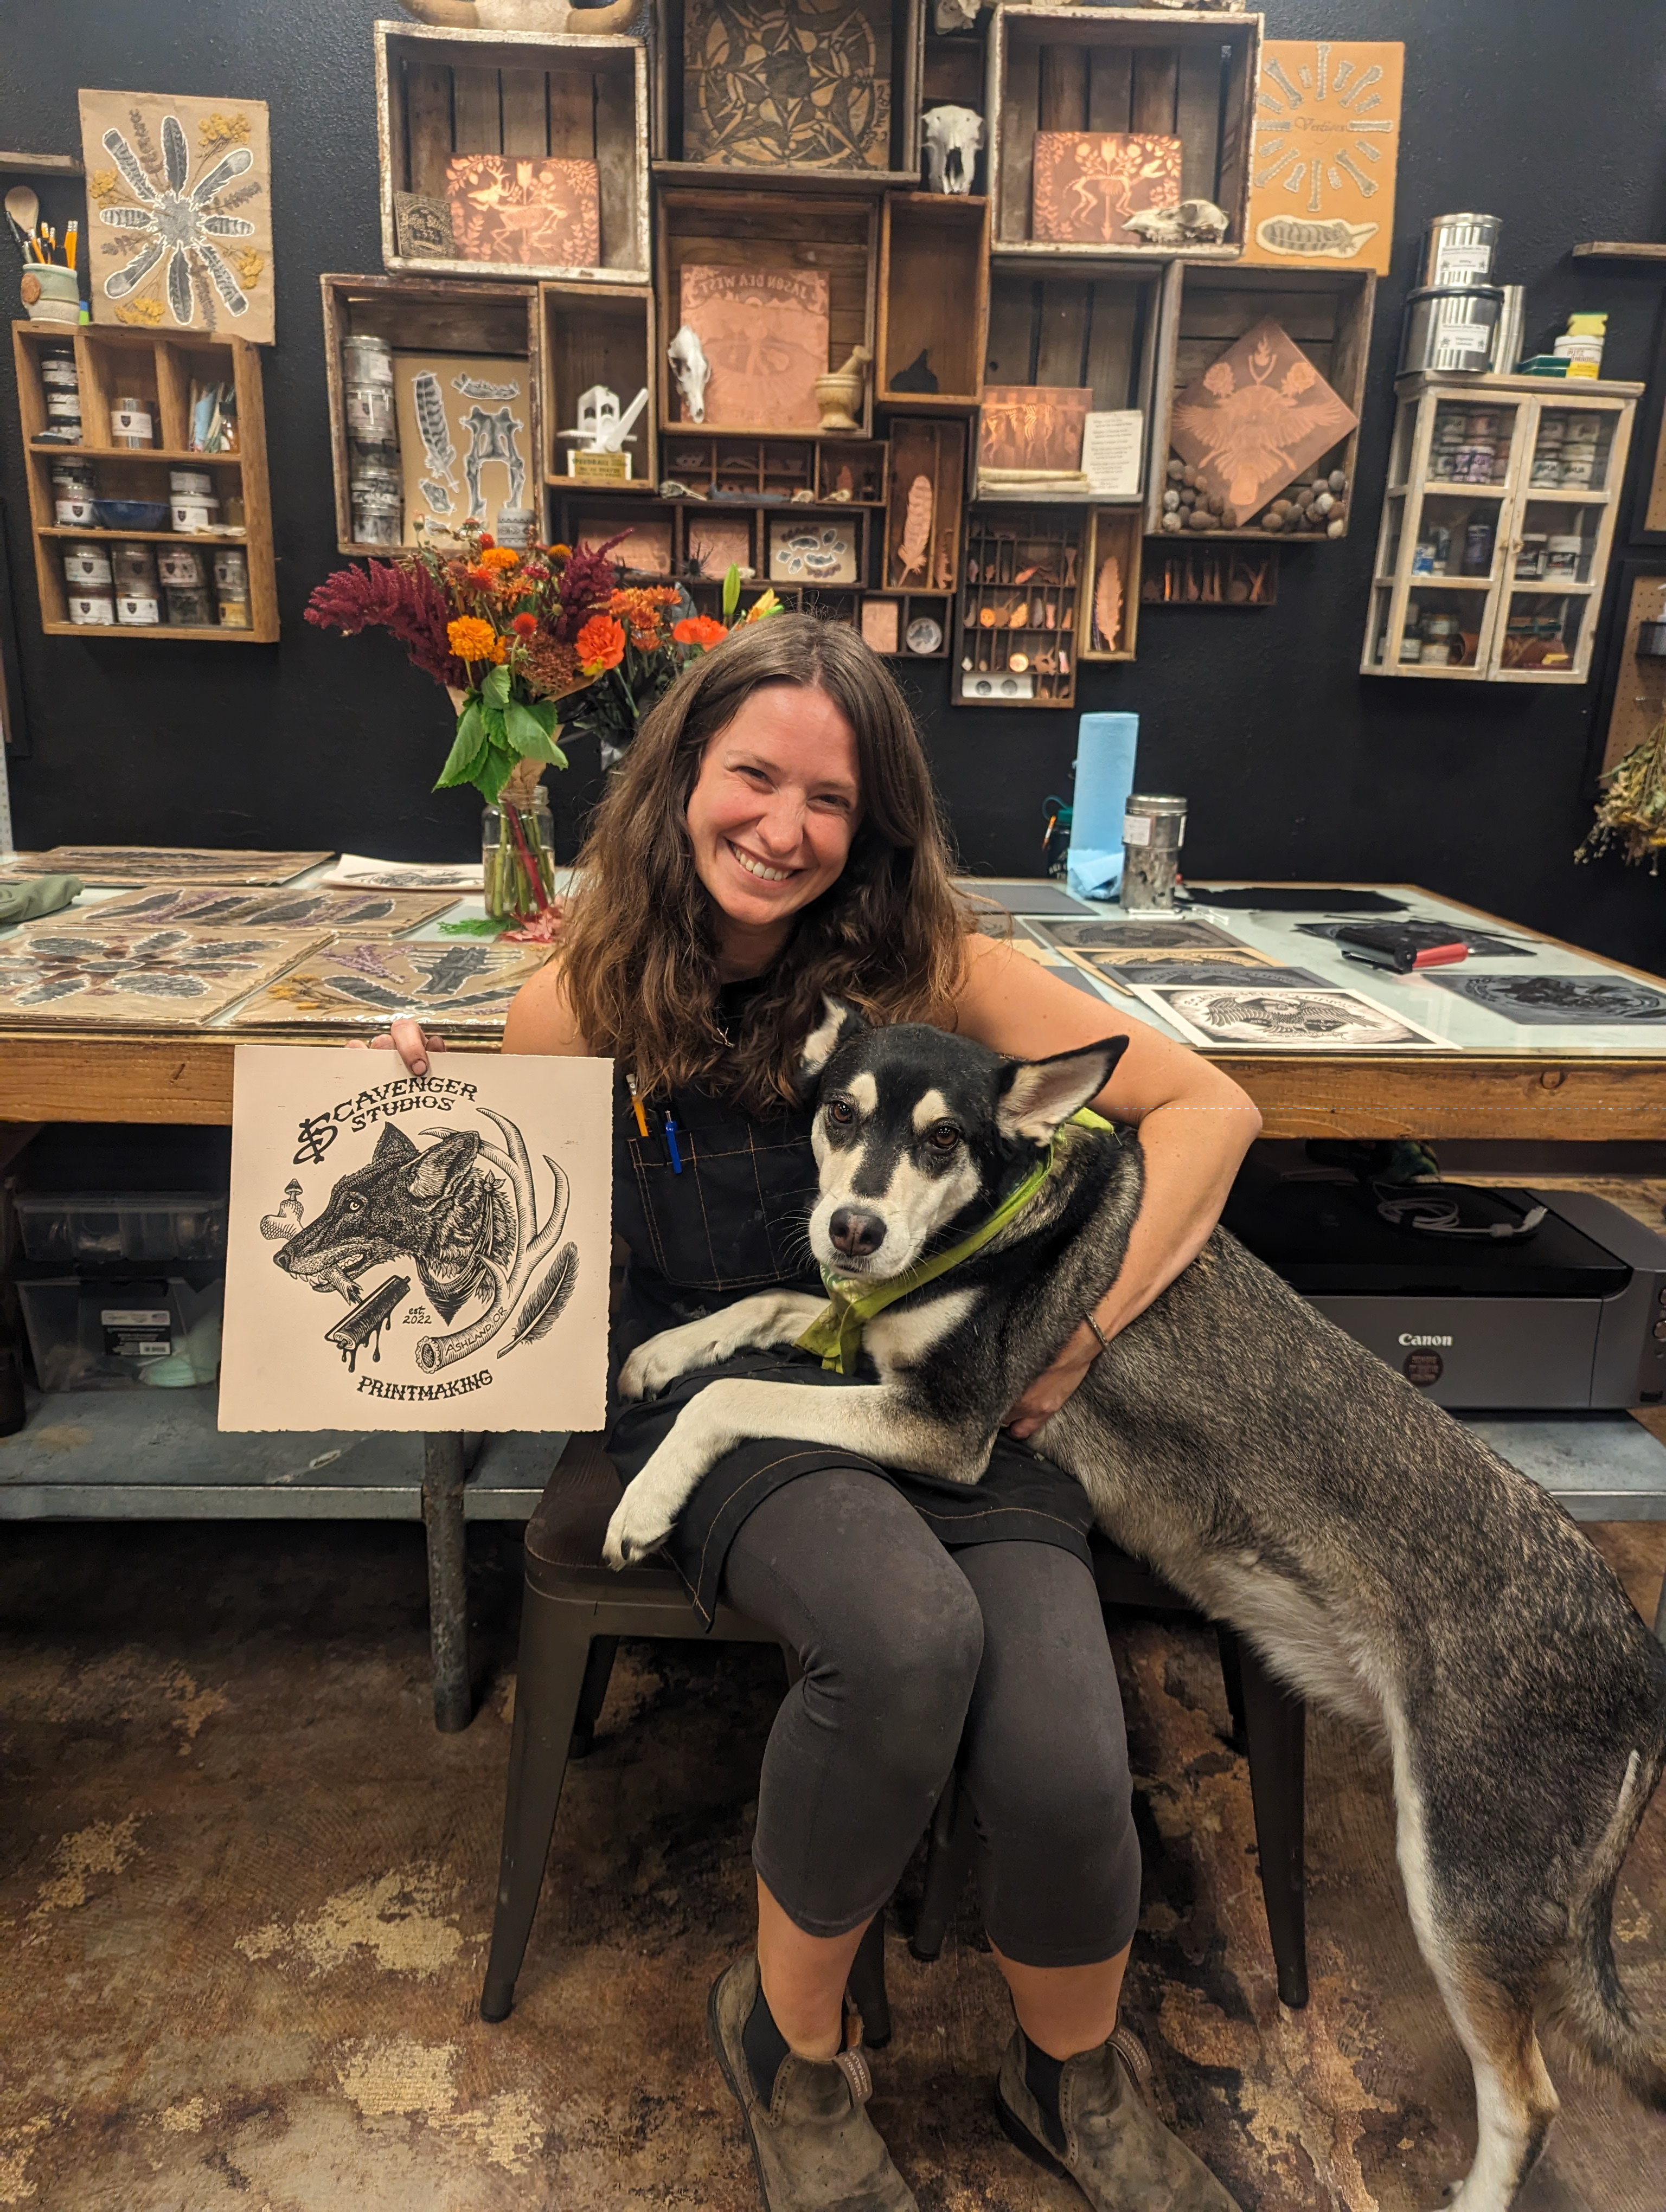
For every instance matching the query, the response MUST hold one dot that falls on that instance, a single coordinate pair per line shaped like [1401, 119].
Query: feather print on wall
[1108, 602]
[915, 540]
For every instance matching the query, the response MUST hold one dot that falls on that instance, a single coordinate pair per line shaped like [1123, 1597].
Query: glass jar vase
[517, 840]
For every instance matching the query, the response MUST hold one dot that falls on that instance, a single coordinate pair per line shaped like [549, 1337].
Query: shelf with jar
[1498, 522]
[149, 503]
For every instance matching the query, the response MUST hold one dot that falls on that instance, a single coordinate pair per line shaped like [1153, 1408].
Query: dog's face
[918, 1132]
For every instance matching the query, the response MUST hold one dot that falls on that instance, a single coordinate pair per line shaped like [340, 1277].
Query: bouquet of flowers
[513, 636]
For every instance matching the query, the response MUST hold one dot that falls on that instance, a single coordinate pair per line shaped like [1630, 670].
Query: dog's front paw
[659, 1361]
[641, 1522]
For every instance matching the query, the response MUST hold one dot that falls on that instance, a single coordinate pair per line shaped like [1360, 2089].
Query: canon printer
[1485, 1297]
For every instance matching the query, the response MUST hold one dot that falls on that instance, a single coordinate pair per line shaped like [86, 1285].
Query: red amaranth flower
[409, 602]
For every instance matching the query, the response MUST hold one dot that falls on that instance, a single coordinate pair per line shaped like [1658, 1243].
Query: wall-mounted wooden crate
[933, 296]
[732, 228]
[922, 536]
[1018, 600]
[725, 468]
[1190, 77]
[797, 102]
[1206, 310]
[1202, 572]
[696, 540]
[908, 625]
[533, 95]
[1110, 584]
[597, 334]
[114, 363]
[426, 315]
[1093, 326]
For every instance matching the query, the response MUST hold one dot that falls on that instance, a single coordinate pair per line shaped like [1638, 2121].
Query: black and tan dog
[1283, 1477]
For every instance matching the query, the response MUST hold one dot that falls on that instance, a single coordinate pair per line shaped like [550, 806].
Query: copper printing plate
[115, 867]
[363, 983]
[89, 973]
[366, 913]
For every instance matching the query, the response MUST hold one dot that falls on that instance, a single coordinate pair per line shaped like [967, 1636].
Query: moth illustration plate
[417, 1252]
[115, 867]
[1283, 1020]
[88, 972]
[362, 984]
[366, 913]
[1210, 974]
[1141, 936]
[1546, 1000]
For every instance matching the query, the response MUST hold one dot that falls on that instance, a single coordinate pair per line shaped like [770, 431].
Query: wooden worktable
[103, 1075]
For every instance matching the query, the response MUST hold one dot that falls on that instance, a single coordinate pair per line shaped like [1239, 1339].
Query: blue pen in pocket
[670, 1146]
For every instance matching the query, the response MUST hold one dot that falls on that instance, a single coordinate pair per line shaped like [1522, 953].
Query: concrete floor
[244, 1889]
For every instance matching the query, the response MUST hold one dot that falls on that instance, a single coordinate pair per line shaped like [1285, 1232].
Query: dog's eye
[841, 1112]
[943, 1137]
[355, 1205]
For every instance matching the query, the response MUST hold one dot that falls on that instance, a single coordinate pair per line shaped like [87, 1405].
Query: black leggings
[907, 1649]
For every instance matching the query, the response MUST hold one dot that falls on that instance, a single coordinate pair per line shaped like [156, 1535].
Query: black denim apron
[734, 1223]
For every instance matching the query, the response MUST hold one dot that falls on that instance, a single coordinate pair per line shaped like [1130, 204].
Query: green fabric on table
[40, 895]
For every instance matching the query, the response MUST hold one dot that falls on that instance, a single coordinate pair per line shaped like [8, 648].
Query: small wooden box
[597, 334]
[431, 315]
[1109, 609]
[1086, 325]
[441, 91]
[725, 226]
[1191, 77]
[1205, 310]
[936, 451]
[933, 296]
[707, 128]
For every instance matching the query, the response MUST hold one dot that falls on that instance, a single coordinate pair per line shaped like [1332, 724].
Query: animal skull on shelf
[955, 15]
[691, 369]
[952, 136]
[1193, 223]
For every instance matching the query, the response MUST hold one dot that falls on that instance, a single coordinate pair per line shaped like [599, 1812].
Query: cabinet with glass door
[1497, 524]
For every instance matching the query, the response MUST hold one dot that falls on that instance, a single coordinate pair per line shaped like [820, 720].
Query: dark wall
[1295, 765]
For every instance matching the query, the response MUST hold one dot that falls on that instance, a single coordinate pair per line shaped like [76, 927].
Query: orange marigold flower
[500, 556]
[471, 638]
[525, 625]
[701, 630]
[601, 644]
[560, 552]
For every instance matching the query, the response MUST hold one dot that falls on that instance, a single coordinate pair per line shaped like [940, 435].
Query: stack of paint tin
[375, 487]
[1452, 317]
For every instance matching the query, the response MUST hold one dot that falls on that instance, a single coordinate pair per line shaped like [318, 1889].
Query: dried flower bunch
[1630, 815]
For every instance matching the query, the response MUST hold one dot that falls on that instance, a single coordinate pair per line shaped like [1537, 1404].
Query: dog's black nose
[856, 1233]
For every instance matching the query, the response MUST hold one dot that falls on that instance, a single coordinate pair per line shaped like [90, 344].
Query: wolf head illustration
[440, 1207]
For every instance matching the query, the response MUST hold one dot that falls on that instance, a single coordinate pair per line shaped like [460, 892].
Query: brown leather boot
[814, 2147]
[1116, 2150]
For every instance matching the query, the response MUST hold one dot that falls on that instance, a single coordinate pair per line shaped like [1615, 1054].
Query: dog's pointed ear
[1037, 1095]
[838, 1024]
[392, 1144]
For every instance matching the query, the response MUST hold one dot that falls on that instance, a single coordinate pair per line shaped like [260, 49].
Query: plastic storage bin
[120, 1331]
[74, 1226]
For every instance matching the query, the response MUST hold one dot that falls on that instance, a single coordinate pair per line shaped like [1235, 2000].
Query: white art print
[419, 1253]
[1282, 1019]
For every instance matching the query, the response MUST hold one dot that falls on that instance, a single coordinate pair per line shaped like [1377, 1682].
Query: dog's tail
[1586, 1999]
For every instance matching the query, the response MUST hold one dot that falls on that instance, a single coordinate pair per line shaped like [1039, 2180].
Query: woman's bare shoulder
[540, 1019]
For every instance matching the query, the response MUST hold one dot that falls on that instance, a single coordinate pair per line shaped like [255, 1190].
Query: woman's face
[775, 804]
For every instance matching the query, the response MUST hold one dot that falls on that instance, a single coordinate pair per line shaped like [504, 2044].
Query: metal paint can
[180, 566]
[1449, 328]
[193, 514]
[1153, 830]
[366, 360]
[188, 607]
[231, 572]
[1478, 539]
[1578, 467]
[1562, 557]
[1461, 249]
[134, 564]
[86, 567]
[1530, 559]
[137, 610]
[76, 509]
[369, 415]
[131, 424]
[91, 609]
[190, 483]
[234, 614]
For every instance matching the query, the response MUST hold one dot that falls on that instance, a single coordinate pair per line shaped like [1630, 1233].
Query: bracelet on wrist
[1104, 1341]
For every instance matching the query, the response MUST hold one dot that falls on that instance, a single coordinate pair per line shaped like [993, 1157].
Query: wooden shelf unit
[906, 21]
[441, 91]
[1001, 542]
[425, 314]
[1421, 496]
[934, 295]
[1206, 310]
[111, 361]
[727, 226]
[1190, 77]
[594, 334]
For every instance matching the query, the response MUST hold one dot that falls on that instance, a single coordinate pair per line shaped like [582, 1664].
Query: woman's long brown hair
[639, 951]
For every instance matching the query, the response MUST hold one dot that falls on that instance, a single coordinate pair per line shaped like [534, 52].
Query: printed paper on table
[1326, 148]
[765, 333]
[416, 1253]
[179, 215]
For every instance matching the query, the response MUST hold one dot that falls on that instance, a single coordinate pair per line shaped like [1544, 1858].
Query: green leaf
[496, 687]
[494, 772]
[730, 591]
[466, 750]
[485, 925]
[526, 733]
[545, 713]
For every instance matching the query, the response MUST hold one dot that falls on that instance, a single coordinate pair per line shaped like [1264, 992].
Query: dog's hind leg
[1515, 2100]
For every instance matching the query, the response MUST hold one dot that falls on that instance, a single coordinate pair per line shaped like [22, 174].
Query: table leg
[447, 1580]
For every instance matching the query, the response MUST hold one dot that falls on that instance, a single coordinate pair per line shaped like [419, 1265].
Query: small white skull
[692, 370]
[951, 137]
[955, 15]
[1193, 223]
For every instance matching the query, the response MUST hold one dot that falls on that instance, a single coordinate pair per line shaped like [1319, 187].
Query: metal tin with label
[1563, 555]
[76, 509]
[193, 514]
[1154, 829]
[1449, 328]
[130, 425]
[86, 566]
[180, 566]
[92, 609]
[135, 563]
[234, 614]
[1530, 558]
[135, 611]
[231, 571]
[190, 483]
[1461, 249]
[188, 607]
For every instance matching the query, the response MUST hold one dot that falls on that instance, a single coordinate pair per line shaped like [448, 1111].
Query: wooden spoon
[24, 208]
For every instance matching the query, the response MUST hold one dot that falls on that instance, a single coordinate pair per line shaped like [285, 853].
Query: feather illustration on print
[915, 541]
[1108, 604]
[462, 420]
[1256, 418]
